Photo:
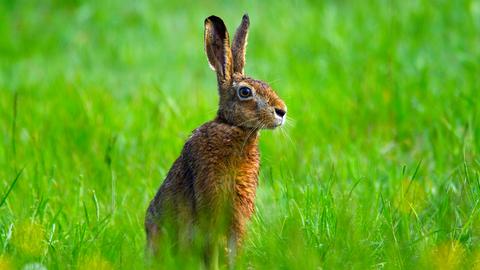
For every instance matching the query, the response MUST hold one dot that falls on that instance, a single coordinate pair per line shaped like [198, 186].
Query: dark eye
[244, 92]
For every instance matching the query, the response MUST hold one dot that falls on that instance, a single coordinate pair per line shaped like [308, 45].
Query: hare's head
[244, 102]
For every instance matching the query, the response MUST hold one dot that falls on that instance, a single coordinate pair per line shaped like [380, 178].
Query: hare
[210, 189]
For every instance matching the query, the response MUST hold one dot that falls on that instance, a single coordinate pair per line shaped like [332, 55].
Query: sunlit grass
[410, 197]
[95, 262]
[5, 263]
[447, 256]
[30, 238]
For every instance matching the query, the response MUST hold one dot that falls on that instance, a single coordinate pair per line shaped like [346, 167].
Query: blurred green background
[378, 166]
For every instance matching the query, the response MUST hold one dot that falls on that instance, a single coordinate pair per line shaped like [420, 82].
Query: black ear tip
[217, 23]
[214, 19]
[245, 18]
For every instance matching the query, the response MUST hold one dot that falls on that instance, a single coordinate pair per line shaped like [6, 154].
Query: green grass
[378, 168]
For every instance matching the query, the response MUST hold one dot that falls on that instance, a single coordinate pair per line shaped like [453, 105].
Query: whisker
[290, 120]
[288, 125]
[250, 133]
[246, 121]
[286, 135]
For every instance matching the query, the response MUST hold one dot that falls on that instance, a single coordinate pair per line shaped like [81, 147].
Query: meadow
[378, 166]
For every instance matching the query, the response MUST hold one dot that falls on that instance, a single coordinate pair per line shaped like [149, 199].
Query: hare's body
[210, 190]
[215, 178]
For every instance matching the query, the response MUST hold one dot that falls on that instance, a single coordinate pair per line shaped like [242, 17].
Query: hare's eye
[244, 92]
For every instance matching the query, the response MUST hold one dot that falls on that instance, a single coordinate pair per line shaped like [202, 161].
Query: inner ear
[217, 47]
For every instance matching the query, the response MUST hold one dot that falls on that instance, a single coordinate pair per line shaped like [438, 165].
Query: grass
[378, 168]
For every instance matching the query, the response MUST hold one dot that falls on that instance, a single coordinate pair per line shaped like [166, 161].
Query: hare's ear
[217, 47]
[239, 45]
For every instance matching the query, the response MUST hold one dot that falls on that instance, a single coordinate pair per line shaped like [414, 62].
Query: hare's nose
[280, 112]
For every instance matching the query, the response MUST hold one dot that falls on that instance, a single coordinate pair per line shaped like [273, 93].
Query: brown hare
[210, 190]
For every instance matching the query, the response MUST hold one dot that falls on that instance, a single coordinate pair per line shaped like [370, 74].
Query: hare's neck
[249, 139]
[245, 138]
[246, 143]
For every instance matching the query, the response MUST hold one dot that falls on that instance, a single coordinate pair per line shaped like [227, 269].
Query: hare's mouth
[277, 122]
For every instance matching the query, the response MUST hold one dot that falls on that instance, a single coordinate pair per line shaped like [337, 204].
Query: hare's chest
[234, 187]
[240, 175]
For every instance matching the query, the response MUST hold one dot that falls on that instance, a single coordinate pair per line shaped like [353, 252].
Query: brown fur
[211, 187]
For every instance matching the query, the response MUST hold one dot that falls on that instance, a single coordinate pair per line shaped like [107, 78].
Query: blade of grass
[12, 185]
